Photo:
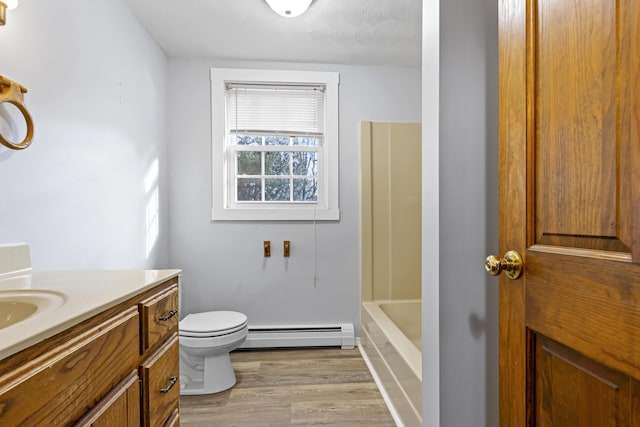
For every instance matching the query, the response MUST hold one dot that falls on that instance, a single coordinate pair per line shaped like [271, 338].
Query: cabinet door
[174, 420]
[121, 407]
[61, 385]
[160, 384]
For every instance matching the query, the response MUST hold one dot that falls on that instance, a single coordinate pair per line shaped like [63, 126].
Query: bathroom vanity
[105, 352]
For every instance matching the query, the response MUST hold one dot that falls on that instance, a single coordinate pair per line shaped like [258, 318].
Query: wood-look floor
[309, 387]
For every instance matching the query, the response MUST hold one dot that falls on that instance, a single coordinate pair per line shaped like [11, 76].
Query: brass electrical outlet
[267, 248]
[287, 248]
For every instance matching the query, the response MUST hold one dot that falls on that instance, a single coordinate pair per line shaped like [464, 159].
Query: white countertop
[85, 293]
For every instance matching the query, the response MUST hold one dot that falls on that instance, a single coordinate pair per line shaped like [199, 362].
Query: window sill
[275, 214]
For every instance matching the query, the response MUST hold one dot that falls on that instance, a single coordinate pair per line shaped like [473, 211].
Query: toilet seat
[212, 324]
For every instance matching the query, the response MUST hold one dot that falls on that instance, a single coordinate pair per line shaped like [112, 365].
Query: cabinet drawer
[121, 407]
[59, 387]
[161, 384]
[159, 316]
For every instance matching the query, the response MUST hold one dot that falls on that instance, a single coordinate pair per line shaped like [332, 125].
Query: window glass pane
[276, 140]
[305, 190]
[276, 189]
[305, 163]
[308, 142]
[248, 140]
[276, 163]
[249, 189]
[249, 163]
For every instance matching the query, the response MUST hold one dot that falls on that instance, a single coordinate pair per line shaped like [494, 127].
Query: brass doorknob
[510, 263]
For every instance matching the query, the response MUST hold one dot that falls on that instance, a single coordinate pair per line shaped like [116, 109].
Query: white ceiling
[365, 32]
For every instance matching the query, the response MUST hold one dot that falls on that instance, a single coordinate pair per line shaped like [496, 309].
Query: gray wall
[468, 212]
[222, 261]
[83, 195]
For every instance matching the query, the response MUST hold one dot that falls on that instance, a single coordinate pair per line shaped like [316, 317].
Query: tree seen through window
[271, 175]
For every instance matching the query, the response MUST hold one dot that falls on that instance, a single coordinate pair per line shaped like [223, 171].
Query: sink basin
[19, 305]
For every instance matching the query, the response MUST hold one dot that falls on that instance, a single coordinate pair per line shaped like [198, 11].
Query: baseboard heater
[340, 335]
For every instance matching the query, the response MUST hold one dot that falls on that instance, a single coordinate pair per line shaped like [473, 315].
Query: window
[274, 145]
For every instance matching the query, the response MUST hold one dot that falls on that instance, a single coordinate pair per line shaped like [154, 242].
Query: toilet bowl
[205, 342]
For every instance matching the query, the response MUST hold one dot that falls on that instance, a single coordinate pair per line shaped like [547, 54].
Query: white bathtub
[391, 342]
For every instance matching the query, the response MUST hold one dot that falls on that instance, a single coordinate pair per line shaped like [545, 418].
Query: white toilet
[205, 342]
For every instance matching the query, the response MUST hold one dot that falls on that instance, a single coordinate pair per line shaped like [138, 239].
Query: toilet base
[192, 373]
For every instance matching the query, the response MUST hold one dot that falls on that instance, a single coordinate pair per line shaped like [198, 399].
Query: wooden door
[570, 204]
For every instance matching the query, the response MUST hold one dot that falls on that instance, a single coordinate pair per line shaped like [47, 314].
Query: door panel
[574, 391]
[579, 54]
[569, 197]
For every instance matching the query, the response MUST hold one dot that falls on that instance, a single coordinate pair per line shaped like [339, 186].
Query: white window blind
[268, 109]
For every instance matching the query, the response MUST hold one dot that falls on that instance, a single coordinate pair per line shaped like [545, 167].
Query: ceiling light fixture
[4, 5]
[287, 8]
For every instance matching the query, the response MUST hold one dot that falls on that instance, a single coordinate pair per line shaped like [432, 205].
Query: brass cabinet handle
[172, 382]
[510, 263]
[169, 315]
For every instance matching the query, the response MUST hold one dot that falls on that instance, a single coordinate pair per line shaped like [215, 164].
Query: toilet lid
[212, 322]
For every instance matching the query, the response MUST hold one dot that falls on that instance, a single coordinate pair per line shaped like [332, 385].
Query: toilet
[205, 342]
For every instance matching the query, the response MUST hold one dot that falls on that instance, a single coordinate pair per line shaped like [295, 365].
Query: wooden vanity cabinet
[118, 368]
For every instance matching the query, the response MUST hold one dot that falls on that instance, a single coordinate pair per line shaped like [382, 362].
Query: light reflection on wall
[152, 221]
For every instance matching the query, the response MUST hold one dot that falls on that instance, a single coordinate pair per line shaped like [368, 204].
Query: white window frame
[224, 206]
